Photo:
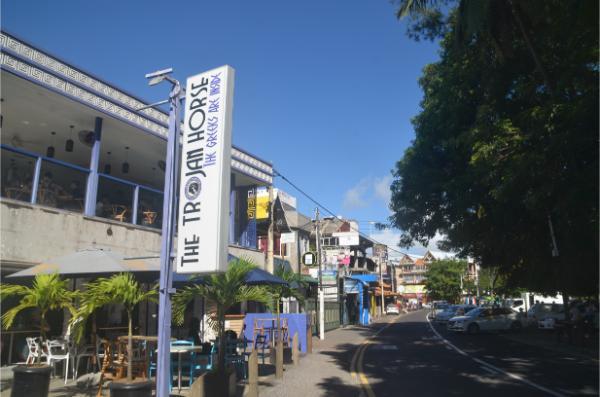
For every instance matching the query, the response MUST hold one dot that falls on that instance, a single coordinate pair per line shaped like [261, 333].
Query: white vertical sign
[205, 173]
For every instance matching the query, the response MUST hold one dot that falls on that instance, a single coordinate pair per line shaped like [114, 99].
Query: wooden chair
[119, 212]
[149, 217]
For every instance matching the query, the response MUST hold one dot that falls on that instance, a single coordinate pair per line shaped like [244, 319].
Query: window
[17, 175]
[149, 208]
[61, 187]
[114, 200]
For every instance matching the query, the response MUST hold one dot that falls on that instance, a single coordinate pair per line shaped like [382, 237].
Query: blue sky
[325, 90]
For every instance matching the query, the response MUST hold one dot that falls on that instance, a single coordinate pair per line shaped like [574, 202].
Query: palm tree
[291, 289]
[225, 290]
[121, 288]
[48, 292]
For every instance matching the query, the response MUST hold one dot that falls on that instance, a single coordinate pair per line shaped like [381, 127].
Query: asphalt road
[409, 359]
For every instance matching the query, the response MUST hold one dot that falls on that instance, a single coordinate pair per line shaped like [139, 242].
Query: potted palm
[225, 290]
[294, 282]
[124, 289]
[47, 292]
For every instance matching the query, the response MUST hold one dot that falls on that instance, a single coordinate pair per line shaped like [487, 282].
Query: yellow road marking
[356, 368]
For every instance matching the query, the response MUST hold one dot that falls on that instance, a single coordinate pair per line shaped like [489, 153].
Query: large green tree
[505, 158]
[444, 279]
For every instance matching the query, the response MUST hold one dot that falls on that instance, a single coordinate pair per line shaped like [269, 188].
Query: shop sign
[251, 204]
[287, 238]
[205, 173]
[309, 259]
[262, 203]
[347, 238]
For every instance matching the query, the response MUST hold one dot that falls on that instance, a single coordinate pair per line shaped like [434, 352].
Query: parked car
[453, 311]
[392, 309]
[545, 315]
[517, 304]
[486, 319]
[438, 307]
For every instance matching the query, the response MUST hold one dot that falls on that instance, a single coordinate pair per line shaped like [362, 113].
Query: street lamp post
[166, 280]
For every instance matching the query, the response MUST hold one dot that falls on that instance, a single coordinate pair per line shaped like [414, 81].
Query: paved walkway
[327, 370]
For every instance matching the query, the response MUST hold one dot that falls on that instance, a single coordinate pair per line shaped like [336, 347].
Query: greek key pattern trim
[85, 96]
[60, 68]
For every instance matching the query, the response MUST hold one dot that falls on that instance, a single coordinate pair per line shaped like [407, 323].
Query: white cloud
[366, 190]
[392, 237]
[382, 188]
[355, 197]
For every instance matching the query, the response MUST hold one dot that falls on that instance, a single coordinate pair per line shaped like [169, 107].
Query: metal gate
[332, 315]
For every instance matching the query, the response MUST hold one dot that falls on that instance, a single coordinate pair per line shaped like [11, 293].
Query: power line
[277, 173]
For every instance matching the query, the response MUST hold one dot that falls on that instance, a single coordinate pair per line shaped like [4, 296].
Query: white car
[392, 309]
[453, 311]
[485, 319]
[439, 307]
[545, 315]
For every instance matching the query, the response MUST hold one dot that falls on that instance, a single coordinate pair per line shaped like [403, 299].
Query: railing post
[136, 195]
[36, 180]
[92, 182]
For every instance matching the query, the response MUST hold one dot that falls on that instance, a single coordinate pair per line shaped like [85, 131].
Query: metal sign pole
[166, 280]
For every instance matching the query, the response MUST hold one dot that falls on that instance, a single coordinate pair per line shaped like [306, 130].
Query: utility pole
[270, 237]
[321, 294]
[381, 280]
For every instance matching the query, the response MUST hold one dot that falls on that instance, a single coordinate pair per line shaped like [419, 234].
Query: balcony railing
[36, 179]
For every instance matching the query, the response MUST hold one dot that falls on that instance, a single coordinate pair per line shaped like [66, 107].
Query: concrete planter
[215, 384]
[31, 381]
[131, 389]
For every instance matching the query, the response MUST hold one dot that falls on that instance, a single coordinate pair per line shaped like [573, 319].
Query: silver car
[486, 319]
[453, 311]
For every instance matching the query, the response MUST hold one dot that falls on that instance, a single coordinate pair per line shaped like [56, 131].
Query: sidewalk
[324, 372]
[327, 370]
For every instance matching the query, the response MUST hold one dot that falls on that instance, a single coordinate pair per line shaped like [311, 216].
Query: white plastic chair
[35, 350]
[58, 350]
[85, 351]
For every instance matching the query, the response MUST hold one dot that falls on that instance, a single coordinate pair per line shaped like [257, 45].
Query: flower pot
[131, 389]
[31, 381]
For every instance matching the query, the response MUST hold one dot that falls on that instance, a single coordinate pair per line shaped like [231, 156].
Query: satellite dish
[86, 137]
[162, 165]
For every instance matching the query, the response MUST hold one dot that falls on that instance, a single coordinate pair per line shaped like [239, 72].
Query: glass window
[17, 175]
[150, 208]
[114, 200]
[61, 187]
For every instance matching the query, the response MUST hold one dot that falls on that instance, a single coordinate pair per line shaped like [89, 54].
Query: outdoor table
[181, 350]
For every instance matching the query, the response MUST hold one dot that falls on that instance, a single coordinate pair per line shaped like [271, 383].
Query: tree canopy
[443, 279]
[505, 158]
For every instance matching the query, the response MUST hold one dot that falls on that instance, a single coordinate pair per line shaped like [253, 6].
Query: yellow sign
[414, 289]
[262, 203]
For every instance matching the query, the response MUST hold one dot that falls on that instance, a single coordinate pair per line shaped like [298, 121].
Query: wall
[30, 234]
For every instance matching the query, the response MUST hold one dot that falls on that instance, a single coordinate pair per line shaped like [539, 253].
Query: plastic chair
[203, 362]
[260, 343]
[233, 356]
[87, 352]
[35, 350]
[53, 356]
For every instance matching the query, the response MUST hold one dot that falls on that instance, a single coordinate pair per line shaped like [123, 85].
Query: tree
[48, 292]
[444, 279]
[505, 159]
[121, 288]
[225, 290]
